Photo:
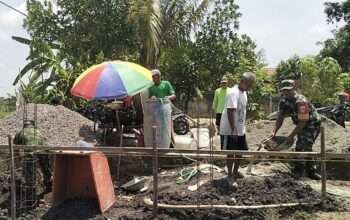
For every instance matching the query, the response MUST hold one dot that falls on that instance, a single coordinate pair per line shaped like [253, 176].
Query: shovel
[276, 143]
[262, 144]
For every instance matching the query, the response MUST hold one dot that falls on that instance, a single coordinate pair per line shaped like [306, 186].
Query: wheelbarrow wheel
[181, 126]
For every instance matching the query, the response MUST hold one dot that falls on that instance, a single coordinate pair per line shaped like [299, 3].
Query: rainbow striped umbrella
[112, 80]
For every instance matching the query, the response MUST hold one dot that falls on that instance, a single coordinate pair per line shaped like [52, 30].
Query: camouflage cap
[287, 84]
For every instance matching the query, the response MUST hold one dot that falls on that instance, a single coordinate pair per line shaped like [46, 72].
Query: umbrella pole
[120, 155]
[119, 129]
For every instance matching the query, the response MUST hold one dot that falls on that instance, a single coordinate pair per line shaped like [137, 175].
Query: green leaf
[30, 66]
[22, 40]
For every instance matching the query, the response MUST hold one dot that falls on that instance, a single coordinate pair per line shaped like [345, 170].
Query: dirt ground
[270, 182]
[263, 188]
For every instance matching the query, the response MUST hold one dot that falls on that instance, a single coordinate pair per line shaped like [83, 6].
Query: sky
[281, 28]
[12, 53]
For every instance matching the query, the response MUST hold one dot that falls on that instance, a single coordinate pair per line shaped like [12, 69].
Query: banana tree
[49, 73]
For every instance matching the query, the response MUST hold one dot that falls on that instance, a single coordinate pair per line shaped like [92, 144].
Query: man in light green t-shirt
[219, 102]
[161, 88]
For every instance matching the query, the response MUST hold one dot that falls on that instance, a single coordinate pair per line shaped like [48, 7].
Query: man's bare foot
[231, 181]
[234, 185]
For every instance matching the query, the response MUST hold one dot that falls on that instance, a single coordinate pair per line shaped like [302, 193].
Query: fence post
[270, 105]
[323, 166]
[155, 172]
[13, 183]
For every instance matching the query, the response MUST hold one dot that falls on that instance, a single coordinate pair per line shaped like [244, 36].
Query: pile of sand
[337, 137]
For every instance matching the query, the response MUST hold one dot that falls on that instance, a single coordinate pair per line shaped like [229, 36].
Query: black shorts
[232, 143]
[218, 119]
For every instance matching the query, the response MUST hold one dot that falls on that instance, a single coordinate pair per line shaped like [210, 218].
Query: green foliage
[179, 69]
[84, 28]
[65, 42]
[163, 24]
[338, 47]
[262, 91]
[345, 81]
[318, 78]
[216, 49]
[7, 105]
[193, 44]
[329, 82]
[310, 70]
[219, 50]
[289, 69]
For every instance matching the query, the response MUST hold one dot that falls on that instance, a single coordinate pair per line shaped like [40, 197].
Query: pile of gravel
[58, 125]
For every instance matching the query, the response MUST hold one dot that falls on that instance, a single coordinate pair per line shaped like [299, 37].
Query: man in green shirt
[219, 101]
[341, 110]
[162, 93]
[161, 88]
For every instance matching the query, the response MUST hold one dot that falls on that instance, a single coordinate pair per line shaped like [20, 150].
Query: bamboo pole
[149, 203]
[181, 152]
[13, 180]
[120, 156]
[171, 150]
[155, 172]
[323, 166]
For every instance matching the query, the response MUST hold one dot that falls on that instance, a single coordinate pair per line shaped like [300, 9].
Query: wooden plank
[179, 152]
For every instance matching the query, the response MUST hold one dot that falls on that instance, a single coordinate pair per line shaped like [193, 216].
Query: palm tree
[165, 23]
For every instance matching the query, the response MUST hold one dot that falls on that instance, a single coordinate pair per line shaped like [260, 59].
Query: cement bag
[183, 141]
[204, 138]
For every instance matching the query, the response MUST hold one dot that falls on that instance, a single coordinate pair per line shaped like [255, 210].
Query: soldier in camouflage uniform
[340, 111]
[31, 136]
[307, 121]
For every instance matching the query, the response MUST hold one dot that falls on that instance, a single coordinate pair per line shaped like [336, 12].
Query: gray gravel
[58, 125]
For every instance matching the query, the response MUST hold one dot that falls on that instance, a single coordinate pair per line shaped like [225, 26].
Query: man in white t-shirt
[232, 125]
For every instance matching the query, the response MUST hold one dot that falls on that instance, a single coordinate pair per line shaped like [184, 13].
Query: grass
[273, 214]
[333, 216]
[4, 114]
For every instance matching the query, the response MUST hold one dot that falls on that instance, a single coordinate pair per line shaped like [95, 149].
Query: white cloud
[322, 32]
